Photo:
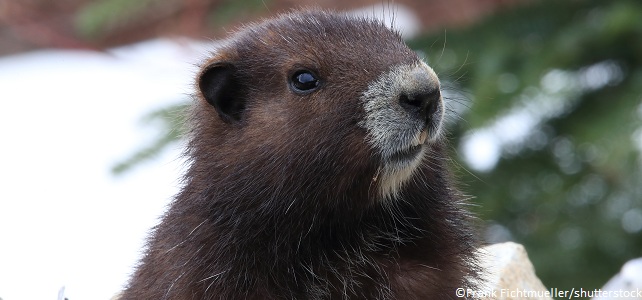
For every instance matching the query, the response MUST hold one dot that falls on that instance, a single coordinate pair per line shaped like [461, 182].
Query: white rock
[628, 280]
[510, 274]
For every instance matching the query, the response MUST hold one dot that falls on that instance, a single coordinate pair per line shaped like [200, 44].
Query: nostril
[422, 104]
[410, 103]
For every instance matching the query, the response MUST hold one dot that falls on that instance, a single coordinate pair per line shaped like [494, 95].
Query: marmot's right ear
[220, 86]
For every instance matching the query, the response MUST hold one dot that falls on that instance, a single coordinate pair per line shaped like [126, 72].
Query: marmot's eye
[304, 81]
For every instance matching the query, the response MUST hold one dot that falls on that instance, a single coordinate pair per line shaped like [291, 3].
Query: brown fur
[280, 199]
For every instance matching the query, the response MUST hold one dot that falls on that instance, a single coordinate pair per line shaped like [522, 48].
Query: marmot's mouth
[411, 153]
[401, 163]
[406, 155]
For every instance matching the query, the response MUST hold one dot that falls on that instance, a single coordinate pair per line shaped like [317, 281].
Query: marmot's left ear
[220, 87]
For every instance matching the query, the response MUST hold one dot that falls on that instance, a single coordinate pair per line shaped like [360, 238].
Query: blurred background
[545, 123]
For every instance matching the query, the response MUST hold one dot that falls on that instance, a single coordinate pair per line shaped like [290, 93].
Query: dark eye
[304, 81]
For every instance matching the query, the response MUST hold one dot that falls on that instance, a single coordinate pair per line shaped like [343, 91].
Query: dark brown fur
[280, 202]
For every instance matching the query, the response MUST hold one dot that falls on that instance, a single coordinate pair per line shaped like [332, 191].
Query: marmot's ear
[220, 87]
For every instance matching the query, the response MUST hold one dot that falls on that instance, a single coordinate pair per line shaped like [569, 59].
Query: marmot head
[319, 97]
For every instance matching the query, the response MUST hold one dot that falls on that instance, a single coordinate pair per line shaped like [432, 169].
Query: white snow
[66, 117]
[396, 15]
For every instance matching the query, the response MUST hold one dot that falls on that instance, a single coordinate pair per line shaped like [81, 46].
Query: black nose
[422, 102]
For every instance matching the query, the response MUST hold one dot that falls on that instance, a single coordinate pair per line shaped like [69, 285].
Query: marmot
[317, 170]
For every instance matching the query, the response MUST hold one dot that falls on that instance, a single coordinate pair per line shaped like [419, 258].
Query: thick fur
[281, 198]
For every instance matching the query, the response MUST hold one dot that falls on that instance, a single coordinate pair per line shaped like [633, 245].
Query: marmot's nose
[421, 96]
